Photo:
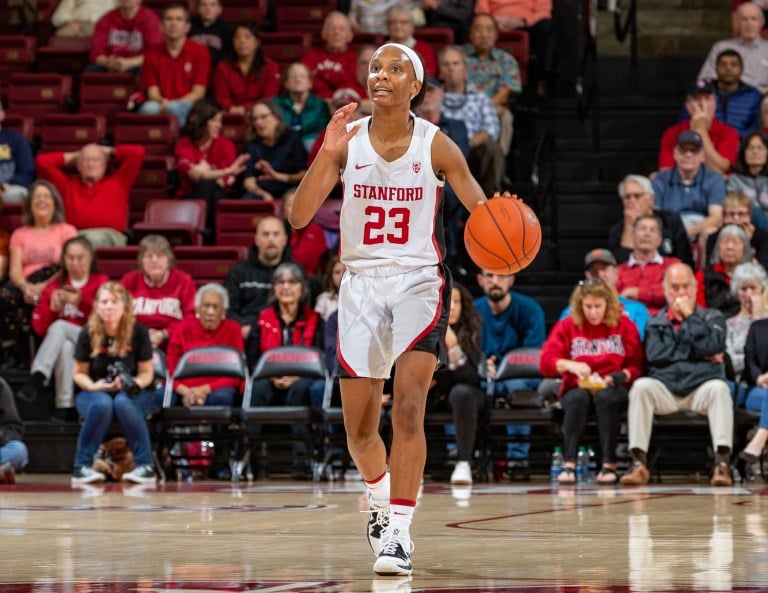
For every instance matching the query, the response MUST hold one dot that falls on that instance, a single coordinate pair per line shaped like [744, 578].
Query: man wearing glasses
[636, 193]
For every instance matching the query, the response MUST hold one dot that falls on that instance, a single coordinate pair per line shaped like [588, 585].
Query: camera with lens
[117, 369]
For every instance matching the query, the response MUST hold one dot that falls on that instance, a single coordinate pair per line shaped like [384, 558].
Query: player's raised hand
[336, 134]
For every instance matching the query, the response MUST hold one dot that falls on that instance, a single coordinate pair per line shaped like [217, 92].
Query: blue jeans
[224, 396]
[176, 107]
[516, 450]
[16, 453]
[99, 409]
[757, 401]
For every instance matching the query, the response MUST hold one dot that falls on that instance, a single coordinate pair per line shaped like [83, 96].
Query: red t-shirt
[724, 137]
[175, 77]
[161, 307]
[220, 154]
[114, 35]
[331, 71]
[100, 204]
[233, 89]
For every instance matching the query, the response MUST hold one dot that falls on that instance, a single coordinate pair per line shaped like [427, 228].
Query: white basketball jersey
[392, 213]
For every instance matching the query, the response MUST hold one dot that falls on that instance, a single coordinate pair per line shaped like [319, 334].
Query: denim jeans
[98, 410]
[757, 401]
[225, 396]
[176, 107]
[16, 453]
[516, 450]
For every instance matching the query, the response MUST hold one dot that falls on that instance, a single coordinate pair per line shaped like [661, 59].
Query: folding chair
[202, 424]
[301, 361]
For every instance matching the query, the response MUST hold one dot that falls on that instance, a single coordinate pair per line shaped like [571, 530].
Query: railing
[629, 27]
[544, 180]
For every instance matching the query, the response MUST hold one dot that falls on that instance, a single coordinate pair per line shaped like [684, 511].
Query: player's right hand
[336, 134]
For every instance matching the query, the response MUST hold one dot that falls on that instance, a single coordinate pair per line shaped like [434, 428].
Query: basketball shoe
[377, 523]
[395, 557]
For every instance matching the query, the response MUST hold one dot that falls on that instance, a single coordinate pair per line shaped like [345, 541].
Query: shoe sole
[88, 480]
[389, 569]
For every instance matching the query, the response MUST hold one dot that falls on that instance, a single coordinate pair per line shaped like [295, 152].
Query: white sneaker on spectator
[87, 475]
[462, 473]
[142, 474]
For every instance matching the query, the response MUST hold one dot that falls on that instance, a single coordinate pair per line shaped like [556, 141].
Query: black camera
[117, 369]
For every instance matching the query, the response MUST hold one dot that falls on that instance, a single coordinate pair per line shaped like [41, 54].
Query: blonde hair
[598, 288]
[124, 336]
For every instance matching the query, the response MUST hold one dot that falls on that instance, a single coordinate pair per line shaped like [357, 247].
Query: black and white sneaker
[395, 557]
[87, 475]
[142, 474]
[378, 521]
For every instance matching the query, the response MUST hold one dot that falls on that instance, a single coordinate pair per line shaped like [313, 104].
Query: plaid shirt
[474, 109]
[647, 277]
[500, 69]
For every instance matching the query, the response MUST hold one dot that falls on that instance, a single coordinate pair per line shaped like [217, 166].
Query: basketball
[502, 235]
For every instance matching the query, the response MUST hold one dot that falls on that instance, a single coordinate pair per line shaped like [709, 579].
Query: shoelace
[390, 545]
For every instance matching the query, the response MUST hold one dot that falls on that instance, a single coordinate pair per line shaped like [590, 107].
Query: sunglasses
[591, 283]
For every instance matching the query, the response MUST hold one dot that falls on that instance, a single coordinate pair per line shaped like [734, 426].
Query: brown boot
[638, 475]
[721, 475]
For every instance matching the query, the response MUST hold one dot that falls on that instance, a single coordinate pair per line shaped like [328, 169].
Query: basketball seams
[499, 228]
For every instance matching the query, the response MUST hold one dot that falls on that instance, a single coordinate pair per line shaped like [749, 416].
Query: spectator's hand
[490, 367]
[104, 385]
[748, 228]
[57, 304]
[429, 4]
[716, 358]
[156, 337]
[113, 64]
[762, 380]
[70, 295]
[509, 23]
[31, 293]
[239, 165]
[682, 307]
[700, 119]
[267, 170]
[198, 170]
[630, 292]
[450, 338]
[581, 369]
[239, 109]
[284, 382]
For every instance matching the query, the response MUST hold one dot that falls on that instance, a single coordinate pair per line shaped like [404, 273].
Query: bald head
[92, 163]
[679, 281]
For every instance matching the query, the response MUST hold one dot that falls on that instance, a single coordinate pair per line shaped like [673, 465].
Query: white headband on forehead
[418, 68]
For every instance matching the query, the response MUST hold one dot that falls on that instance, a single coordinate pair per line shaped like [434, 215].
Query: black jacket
[756, 351]
[11, 427]
[677, 358]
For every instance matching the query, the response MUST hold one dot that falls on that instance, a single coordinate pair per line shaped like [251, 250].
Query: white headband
[418, 68]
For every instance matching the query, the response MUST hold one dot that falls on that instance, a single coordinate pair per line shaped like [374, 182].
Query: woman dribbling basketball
[395, 293]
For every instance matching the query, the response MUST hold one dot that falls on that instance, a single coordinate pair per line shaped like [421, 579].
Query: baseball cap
[689, 137]
[700, 86]
[599, 255]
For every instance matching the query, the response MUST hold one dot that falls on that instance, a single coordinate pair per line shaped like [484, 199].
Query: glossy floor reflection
[288, 536]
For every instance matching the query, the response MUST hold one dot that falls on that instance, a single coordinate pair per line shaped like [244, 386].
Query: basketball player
[395, 294]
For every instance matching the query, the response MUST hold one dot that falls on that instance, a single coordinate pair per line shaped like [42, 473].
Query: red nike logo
[358, 166]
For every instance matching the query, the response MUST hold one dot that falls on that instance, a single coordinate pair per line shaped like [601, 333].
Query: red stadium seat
[361, 39]
[156, 133]
[70, 131]
[517, 44]
[302, 17]
[65, 55]
[244, 11]
[37, 93]
[437, 37]
[236, 220]
[208, 264]
[10, 217]
[152, 183]
[180, 221]
[17, 54]
[116, 261]
[285, 47]
[106, 93]
[234, 127]
[24, 124]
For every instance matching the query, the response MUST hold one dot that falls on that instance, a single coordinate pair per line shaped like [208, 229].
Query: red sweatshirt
[605, 349]
[331, 71]
[232, 88]
[100, 204]
[190, 334]
[161, 307]
[125, 38]
[43, 316]
[308, 246]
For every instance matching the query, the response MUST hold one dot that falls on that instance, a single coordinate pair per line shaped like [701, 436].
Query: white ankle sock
[379, 490]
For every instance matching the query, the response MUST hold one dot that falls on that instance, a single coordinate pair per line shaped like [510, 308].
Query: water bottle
[582, 461]
[557, 464]
[591, 465]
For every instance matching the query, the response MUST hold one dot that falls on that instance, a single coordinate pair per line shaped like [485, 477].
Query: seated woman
[13, 451]
[750, 175]
[308, 244]
[241, 81]
[113, 369]
[713, 282]
[756, 375]
[597, 352]
[162, 294]
[63, 309]
[327, 302]
[748, 286]
[34, 256]
[459, 385]
[278, 159]
[207, 162]
[306, 113]
[209, 327]
[287, 320]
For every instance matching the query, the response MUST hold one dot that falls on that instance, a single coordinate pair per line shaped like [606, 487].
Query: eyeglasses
[590, 283]
[736, 214]
[287, 281]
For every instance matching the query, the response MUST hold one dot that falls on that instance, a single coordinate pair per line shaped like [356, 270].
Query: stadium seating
[106, 93]
[236, 220]
[517, 44]
[153, 183]
[65, 55]
[285, 47]
[24, 124]
[181, 221]
[156, 133]
[34, 93]
[437, 37]
[307, 17]
[234, 127]
[17, 54]
[244, 11]
[70, 131]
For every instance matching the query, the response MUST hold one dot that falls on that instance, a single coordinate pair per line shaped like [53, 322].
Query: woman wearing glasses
[597, 352]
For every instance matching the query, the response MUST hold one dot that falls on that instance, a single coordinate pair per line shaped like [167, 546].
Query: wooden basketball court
[305, 537]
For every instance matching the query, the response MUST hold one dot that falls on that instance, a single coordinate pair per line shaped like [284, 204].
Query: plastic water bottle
[557, 464]
[582, 461]
[591, 465]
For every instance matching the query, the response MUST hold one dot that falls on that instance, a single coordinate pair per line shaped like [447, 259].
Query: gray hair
[746, 272]
[214, 288]
[295, 272]
[732, 230]
[641, 180]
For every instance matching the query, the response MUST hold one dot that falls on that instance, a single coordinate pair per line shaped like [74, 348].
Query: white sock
[400, 517]
[379, 491]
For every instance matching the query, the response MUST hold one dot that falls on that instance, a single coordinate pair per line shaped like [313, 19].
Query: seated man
[333, 65]
[13, 451]
[690, 188]
[640, 276]
[719, 141]
[176, 71]
[636, 193]
[209, 30]
[95, 203]
[684, 347]
[738, 104]
[121, 37]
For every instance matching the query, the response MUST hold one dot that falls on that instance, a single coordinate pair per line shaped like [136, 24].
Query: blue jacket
[739, 108]
[521, 324]
[17, 165]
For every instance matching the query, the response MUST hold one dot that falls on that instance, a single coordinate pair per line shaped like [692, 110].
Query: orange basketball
[502, 235]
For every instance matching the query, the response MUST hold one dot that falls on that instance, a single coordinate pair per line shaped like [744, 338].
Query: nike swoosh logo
[358, 166]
